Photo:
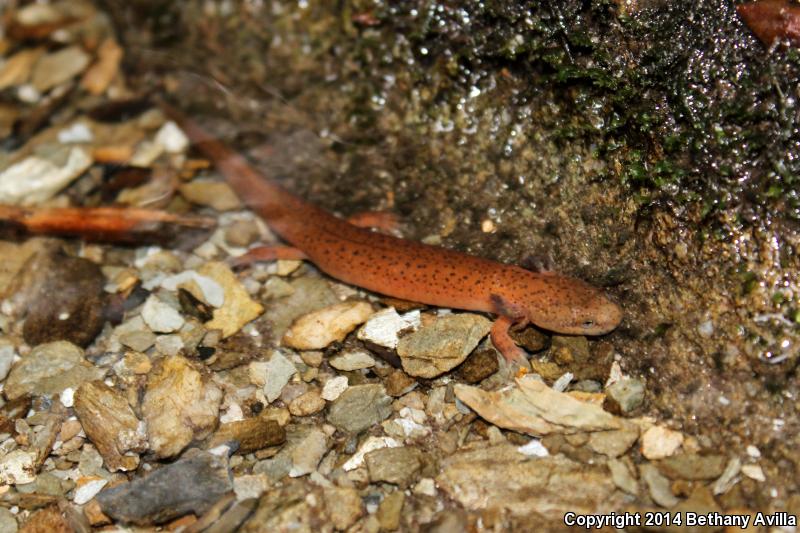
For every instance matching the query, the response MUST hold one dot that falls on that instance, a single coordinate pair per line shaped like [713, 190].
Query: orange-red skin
[772, 20]
[408, 269]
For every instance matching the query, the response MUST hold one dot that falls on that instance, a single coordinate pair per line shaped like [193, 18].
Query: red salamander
[412, 270]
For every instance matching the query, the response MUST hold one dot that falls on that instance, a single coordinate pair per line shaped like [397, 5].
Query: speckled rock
[398, 465]
[359, 407]
[18, 466]
[344, 506]
[442, 345]
[479, 365]
[49, 369]
[179, 405]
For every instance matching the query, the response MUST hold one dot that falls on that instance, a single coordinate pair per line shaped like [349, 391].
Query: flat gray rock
[360, 407]
[190, 485]
[49, 369]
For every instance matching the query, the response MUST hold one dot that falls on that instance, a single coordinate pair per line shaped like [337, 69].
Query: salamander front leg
[505, 344]
[267, 253]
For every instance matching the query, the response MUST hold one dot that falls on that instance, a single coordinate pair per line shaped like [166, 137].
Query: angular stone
[398, 465]
[625, 395]
[479, 366]
[217, 195]
[318, 329]
[179, 405]
[111, 425]
[251, 434]
[391, 510]
[307, 454]
[442, 345]
[238, 309]
[499, 479]
[360, 407]
[352, 360]
[58, 67]
[190, 485]
[692, 466]
[307, 404]
[659, 442]
[160, 317]
[18, 466]
[49, 369]
[344, 506]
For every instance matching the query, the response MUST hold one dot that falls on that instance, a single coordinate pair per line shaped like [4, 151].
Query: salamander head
[561, 304]
[575, 308]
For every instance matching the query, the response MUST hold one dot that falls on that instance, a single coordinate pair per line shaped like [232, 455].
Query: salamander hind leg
[382, 221]
[506, 345]
[267, 253]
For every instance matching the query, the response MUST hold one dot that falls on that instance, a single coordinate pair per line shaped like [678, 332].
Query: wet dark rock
[63, 297]
[531, 339]
[190, 485]
[624, 396]
[359, 407]
[479, 365]
[569, 349]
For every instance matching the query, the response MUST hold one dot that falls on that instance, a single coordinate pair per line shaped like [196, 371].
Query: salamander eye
[587, 324]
